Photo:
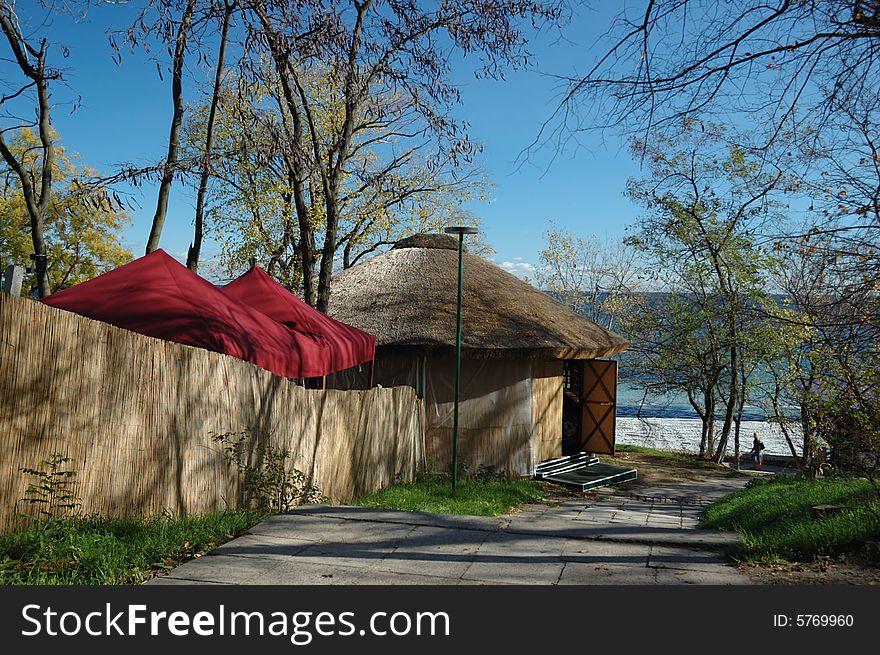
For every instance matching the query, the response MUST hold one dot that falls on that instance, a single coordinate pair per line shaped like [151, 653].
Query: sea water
[670, 423]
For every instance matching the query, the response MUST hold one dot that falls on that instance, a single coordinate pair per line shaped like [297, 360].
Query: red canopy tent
[159, 297]
[348, 345]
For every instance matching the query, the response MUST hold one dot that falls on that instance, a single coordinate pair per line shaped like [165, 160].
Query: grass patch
[775, 519]
[475, 497]
[118, 551]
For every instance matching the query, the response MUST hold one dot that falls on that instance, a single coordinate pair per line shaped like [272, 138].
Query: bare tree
[184, 27]
[371, 47]
[706, 201]
[383, 197]
[777, 61]
[176, 121]
[194, 251]
[802, 75]
[594, 277]
[31, 60]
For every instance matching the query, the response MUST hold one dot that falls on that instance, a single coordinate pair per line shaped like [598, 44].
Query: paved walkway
[611, 536]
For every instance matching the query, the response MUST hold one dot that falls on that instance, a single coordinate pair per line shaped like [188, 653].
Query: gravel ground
[818, 572]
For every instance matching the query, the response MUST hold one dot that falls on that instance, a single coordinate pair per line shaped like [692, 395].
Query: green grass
[101, 551]
[476, 497]
[774, 516]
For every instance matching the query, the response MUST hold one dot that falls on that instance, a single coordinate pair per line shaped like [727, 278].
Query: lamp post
[460, 231]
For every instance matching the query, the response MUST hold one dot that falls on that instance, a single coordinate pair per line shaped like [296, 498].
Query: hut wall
[496, 427]
[510, 411]
[547, 408]
[137, 415]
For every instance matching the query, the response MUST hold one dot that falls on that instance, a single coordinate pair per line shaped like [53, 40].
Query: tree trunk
[40, 263]
[739, 413]
[331, 179]
[734, 390]
[709, 429]
[781, 419]
[325, 273]
[195, 249]
[729, 413]
[174, 136]
[737, 424]
[703, 412]
[37, 205]
[346, 255]
[306, 244]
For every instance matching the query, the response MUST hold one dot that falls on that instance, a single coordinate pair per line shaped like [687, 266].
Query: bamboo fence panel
[497, 418]
[547, 397]
[137, 416]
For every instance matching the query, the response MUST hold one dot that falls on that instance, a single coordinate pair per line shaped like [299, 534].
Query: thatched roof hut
[407, 297]
[515, 339]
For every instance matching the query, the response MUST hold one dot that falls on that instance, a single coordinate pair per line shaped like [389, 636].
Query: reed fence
[137, 416]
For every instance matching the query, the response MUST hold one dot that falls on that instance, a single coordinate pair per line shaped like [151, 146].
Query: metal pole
[460, 231]
[457, 368]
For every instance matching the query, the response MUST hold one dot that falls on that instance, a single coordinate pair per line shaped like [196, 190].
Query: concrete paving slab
[542, 527]
[509, 543]
[630, 518]
[605, 574]
[514, 571]
[640, 507]
[562, 512]
[687, 560]
[355, 555]
[165, 580]
[608, 552]
[719, 577]
[436, 552]
[264, 546]
[449, 566]
[481, 583]
[298, 572]
[426, 539]
[224, 568]
[347, 513]
[389, 578]
[607, 537]
[709, 539]
[663, 522]
[595, 515]
[301, 526]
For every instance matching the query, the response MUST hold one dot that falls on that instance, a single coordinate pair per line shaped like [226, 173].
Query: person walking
[757, 452]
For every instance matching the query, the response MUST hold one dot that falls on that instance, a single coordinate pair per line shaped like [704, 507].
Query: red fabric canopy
[159, 297]
[348, 345]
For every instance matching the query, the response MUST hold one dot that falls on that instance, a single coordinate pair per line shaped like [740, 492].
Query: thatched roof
[407, 297]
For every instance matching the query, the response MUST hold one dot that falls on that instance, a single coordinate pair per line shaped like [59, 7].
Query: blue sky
[124, 112]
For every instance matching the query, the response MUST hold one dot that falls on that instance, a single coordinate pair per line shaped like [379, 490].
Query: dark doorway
[572, 384]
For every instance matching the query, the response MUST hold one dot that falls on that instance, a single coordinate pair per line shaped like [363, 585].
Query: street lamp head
[461, 229]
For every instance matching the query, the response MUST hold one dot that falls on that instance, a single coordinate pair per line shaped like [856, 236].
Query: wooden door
[598, 406]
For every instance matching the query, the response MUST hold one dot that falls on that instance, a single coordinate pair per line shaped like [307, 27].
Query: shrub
[266, 481]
